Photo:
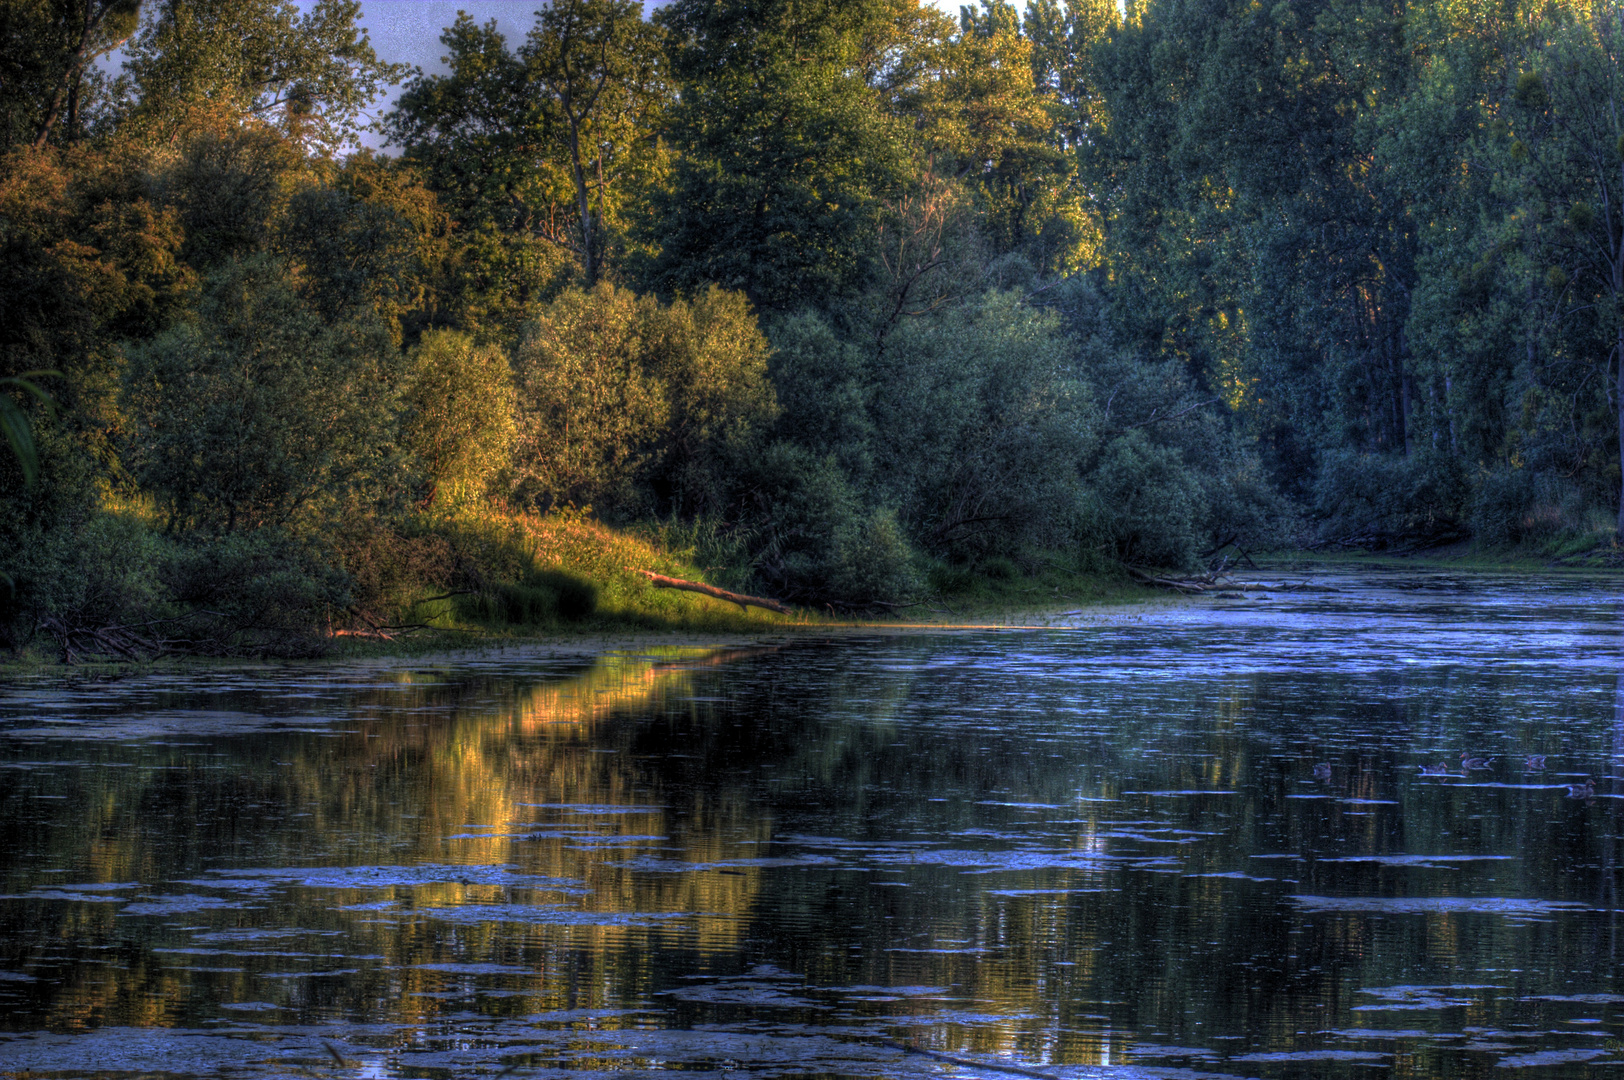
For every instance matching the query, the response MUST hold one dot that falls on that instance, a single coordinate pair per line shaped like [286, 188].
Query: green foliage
[624, 399]
[551, 142]
[264, 592]
[459, 420]
[258, 413]
[48, 54]
[788, 149]
[369, 235]
[14, 421]
[1516, 506]
[1379, 500]
[591, 410]
[93, 569]
[1144, 504]
[980, 427]
[820, 544]
[228, 184]
[309, 75]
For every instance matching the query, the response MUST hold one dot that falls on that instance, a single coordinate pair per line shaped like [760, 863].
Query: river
[1185, 841]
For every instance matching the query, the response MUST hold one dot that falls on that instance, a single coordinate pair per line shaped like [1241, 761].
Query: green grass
[565, 571]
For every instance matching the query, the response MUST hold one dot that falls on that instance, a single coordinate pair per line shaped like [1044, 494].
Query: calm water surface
[1182, 843]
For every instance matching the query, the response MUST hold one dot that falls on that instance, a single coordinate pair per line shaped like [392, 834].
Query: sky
[408, 31]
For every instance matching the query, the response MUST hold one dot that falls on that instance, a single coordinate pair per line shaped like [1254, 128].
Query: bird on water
[1440, 769]
[1585, 790]
[1468, 763]
[1534, 763]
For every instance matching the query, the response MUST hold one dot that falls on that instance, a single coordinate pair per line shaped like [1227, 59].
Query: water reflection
[1192, 841]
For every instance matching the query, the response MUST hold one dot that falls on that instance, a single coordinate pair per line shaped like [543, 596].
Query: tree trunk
[1618, 402]
[660, 581]
[589, 264]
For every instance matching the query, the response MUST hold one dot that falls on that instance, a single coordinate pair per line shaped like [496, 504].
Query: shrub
[256, 413]
[543, 598]
[627, 402]
[1378, 499]
[460, 415]
[265, 592]
[1511, 506]
[980, 426]
[1145, 504]
[92, 571]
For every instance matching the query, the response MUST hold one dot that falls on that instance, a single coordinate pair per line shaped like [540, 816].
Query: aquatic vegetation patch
[1554, 1057]
[1436, 905]
[383, 877]
[545, 915]
[1313, 1055]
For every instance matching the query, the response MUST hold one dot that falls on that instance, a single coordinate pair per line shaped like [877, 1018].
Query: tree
[788, 143]
[257, 412]
[459, 414]
[48, 49]
[1567, 123]
[598, 67]
[308, 75]
[628, 404]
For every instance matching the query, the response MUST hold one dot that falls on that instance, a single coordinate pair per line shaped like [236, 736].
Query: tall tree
[788, 142]
[597, 67]
[309, 74]
[1567, 120]
[47, 52]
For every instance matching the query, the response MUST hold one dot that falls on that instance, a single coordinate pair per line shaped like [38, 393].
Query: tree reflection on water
[1101, 845]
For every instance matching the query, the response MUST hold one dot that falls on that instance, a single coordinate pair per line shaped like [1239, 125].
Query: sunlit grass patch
[539, 569]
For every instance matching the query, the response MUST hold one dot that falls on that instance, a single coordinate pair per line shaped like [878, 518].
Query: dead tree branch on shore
[660, 581]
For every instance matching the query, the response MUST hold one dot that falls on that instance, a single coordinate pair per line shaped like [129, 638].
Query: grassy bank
[464, 579]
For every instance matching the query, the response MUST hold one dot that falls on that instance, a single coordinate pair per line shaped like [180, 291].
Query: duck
[1322, 771]
[1534, 763]
[1440, 769]
[1585, 790]
[1468, 762]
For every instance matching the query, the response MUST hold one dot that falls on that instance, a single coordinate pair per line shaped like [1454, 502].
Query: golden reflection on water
[573, 778]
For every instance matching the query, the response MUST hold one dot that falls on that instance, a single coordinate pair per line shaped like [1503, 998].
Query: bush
[627, 404]
[1145, 505]
[870, 562]
[980, 426]
[543, 598]
[256, 413]
[1511, 506]
[817, 543]
[460, 415]
[92, 571]
[1375, 500]
[265, 593]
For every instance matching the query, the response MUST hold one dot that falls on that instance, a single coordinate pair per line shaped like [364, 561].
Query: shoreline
[589, 643]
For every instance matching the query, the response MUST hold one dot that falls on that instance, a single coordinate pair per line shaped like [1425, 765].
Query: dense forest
[848, 300]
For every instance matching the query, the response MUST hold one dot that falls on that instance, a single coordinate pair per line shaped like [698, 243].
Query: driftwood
[660, 581]
[1219, 582]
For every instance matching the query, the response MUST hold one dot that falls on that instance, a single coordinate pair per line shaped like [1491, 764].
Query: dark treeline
[871, 299]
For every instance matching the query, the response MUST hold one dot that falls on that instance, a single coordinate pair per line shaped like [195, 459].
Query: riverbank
[640, 618]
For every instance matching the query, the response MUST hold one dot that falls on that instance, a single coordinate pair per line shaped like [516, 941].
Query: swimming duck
[1585, 790]
[1534, 763]
[1440, 769]
[1322, 771]
[1469, 763]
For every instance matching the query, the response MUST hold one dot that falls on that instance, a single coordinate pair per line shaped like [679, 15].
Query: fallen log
[660, 581]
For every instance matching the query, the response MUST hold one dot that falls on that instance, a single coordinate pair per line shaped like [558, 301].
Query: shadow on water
[1193, 842]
